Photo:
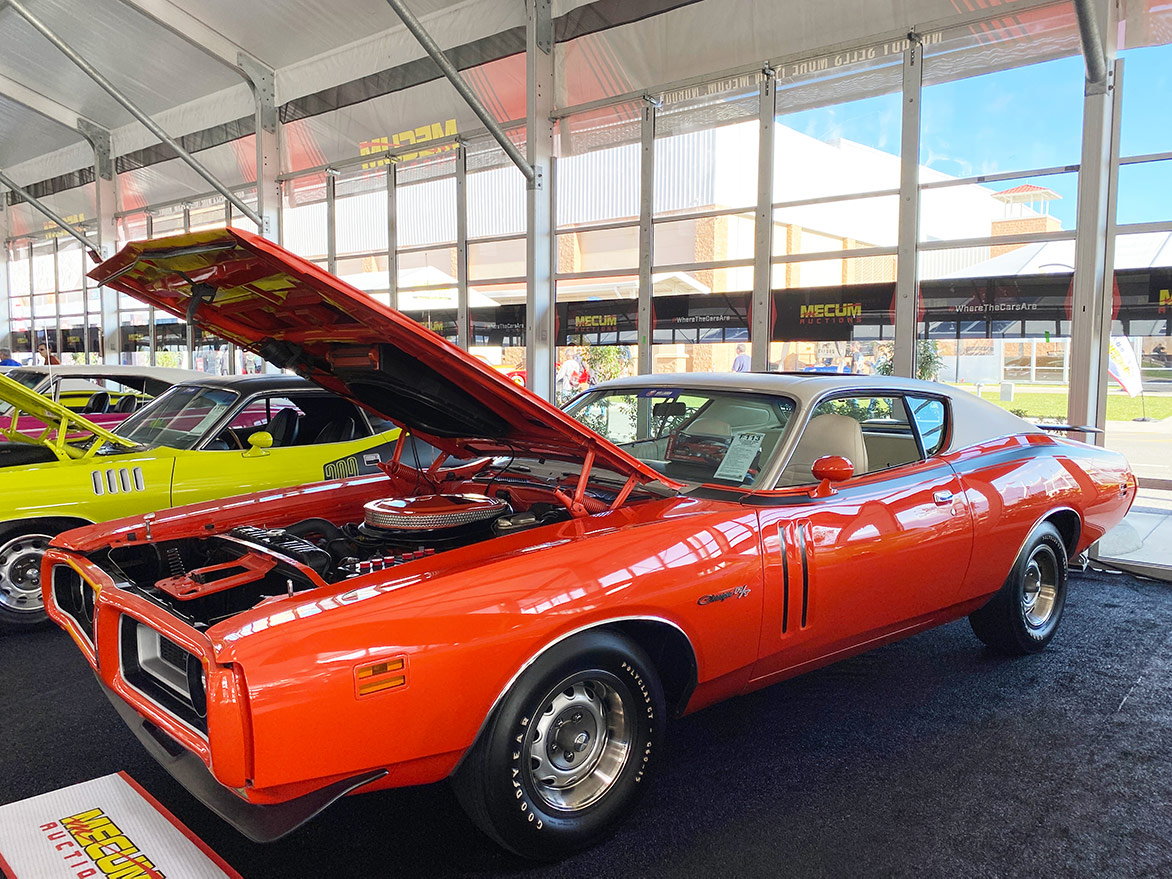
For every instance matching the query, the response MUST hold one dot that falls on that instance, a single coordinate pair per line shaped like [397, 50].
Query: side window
[379, 424]
[929, 415]
[328, 419]
[279, 416]
[123, 398]
[873, 433]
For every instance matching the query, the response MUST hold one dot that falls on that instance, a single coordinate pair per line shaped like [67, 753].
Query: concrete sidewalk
[1146, 444]
[1144, 537]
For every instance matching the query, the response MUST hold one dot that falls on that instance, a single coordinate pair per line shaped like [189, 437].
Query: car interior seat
[705, 426]
[827, 434]
[98, 404]
[341, 431]
[127, 404]
[283, 427]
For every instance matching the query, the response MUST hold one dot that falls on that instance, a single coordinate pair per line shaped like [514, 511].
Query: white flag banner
[1123, 367]
[101, 828]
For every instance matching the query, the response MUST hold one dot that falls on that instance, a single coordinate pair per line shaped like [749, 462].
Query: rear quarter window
[931, 417]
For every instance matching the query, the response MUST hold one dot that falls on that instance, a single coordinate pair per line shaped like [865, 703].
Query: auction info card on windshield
[107, 828]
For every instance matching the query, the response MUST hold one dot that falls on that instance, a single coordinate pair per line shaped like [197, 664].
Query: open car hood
[249, 291]
[58, 424]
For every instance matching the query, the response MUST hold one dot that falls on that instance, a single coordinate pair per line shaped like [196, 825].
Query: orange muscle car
[525, 609]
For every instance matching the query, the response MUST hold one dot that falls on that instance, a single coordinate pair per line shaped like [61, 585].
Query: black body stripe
[784, 577]
[805, 572]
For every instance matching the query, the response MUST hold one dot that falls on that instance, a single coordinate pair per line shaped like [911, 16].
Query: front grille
[172, 654]
[75, 597]
[164, 672]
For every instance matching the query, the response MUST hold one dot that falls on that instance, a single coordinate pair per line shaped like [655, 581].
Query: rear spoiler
[1085, 428]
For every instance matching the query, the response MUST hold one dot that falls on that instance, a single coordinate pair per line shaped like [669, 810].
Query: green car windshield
[179, 418]
[690, 434]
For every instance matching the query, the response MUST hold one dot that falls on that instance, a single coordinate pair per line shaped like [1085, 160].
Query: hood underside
[293, 313]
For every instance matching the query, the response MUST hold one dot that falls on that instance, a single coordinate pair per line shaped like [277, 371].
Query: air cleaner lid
[432, 511]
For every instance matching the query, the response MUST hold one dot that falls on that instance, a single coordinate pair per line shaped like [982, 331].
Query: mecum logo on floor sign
[94, 846]
[104, 828]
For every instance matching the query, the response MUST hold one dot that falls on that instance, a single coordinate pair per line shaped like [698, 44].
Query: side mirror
[829, 469]
[259, 444]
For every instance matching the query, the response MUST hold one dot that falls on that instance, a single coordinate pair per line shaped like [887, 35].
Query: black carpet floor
[930, 757]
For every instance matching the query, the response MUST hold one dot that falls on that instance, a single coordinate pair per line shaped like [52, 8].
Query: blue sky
[1024, 118]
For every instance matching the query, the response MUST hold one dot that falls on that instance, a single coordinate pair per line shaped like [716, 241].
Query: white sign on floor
[108, 828]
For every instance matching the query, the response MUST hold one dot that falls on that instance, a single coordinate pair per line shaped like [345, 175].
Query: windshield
[690, 435]
[178, 418]
[25, 377]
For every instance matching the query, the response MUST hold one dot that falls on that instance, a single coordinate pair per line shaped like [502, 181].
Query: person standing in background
[45, 357]
[568, 378]
[6, 358]
[856, 359]
[741, 363]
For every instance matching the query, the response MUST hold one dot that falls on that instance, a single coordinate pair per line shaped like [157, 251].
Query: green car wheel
[21, 549]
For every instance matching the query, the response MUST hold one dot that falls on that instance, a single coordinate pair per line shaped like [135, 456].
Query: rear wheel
[567, 753]
[1024, 615]
[21, 550]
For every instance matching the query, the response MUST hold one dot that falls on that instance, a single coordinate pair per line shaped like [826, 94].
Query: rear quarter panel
[467, 623]
[1015, 482]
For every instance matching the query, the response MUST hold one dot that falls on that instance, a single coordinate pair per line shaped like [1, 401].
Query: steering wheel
[233, 438]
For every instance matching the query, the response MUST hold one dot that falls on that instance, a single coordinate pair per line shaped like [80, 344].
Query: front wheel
[567, 753]
[21, 550]
[1023, 616]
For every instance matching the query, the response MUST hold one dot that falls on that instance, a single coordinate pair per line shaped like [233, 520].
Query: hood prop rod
[621, 497]
[574, 505]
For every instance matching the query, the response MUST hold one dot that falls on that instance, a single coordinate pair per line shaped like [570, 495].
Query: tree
[928, 359]
[605, 362]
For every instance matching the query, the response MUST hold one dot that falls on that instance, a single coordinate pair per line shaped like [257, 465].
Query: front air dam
[260, 823]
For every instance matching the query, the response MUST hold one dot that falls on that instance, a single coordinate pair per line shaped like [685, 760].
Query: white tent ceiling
[153, 67]
[186, 89]
[315, 46]
[284, 32]
[25, 135]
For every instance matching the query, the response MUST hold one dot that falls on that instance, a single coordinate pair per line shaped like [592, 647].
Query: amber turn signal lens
[380, 676]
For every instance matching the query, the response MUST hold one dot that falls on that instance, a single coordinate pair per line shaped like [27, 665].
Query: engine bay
[204, 580]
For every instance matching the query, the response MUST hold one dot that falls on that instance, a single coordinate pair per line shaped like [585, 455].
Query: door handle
[942, 497]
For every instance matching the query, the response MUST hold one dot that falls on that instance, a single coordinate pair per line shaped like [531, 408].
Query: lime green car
[204, 440]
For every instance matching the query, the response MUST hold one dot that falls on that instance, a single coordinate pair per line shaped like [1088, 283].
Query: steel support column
[906, 272]
[268, 163]
[5, 315]
[392, 236]
[331, 223]
[645, 332]
[1090, 326]
[760, 329]
[462, 329]
[106, 192]
[539, 297]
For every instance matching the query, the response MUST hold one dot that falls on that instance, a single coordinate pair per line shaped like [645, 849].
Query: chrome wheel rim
[20, 573]
[578, 743]
[1039, 595]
